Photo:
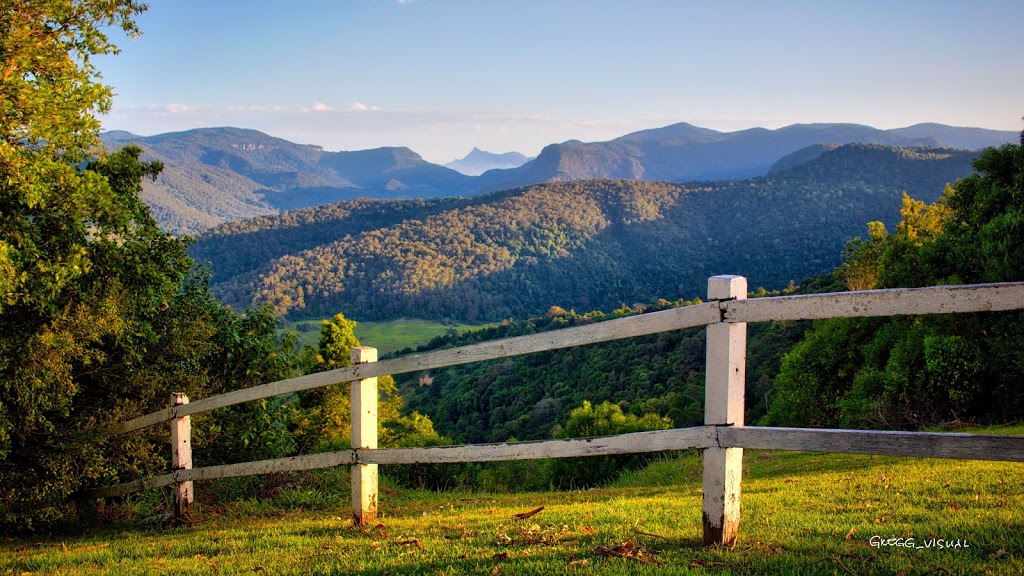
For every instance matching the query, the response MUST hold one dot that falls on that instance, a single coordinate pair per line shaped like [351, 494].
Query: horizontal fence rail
[632, 443]
[722, 438]
[867, 303]
[872, 303]
[881, 443]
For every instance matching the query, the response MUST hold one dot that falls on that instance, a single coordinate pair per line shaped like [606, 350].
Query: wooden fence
[722, 438]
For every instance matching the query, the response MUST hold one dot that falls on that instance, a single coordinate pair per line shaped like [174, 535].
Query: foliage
[322, 418]
[102, 315]
[909, 372]
[530, 397]
[606, 419]
[83, 268]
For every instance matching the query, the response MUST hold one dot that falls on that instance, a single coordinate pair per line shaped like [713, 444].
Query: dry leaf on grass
[525, 515]
[637, 529]
[707, 564]
[415, 541]
[532, 535]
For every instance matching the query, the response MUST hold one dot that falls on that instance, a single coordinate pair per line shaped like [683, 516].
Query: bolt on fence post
[364, 435]
[723, 406]
[181, 457]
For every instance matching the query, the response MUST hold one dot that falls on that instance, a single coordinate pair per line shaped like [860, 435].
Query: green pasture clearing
[386, 337]
[802, 514]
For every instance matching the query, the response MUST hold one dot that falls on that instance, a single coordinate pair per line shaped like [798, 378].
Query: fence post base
[364, 494]
[721, 517]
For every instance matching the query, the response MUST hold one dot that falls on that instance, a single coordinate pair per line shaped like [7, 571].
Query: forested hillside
[581, 245]
[903, 372]
[892, 372]
[242, 246]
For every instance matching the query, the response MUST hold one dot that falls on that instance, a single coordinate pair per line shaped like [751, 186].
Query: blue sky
[444, 76]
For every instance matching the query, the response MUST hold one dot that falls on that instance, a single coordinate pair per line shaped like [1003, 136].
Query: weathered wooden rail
[722, 438]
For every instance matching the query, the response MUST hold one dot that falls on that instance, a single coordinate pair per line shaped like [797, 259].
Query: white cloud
[321, 107]
[178, 108]
[360, 107]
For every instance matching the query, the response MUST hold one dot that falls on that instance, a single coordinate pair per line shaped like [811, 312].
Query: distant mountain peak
[479, 161]
[679, 130]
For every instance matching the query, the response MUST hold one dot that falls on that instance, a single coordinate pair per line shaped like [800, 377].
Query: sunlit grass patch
[801, 514]
[386, 337]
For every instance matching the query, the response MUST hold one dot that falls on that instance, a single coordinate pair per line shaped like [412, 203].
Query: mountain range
[580, 244]
[217, 175]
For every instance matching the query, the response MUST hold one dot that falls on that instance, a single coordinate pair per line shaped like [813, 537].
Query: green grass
[386, 337]
[802, 514]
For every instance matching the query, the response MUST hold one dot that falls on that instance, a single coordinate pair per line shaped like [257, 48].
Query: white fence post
[364, 435]
[181, 456]
[723, 406]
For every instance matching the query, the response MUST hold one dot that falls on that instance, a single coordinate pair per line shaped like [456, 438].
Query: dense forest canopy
[587, 245]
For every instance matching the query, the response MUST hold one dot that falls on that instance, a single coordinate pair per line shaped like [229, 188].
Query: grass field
[386, 337]
[802, 514]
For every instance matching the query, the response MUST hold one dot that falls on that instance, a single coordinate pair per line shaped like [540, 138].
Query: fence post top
[363, 354]
[727, 287]
[179, 398]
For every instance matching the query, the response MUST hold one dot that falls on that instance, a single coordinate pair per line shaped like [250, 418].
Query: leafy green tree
[68, 218]
[608, 419]
[323, 418]
[50, 208]
[102, 315]
[337, 339]
[604, 420]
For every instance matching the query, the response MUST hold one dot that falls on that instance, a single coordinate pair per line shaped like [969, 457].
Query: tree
[68, 218]
[50, 207]
[323, 418]
[606, 419]
[102, 315]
